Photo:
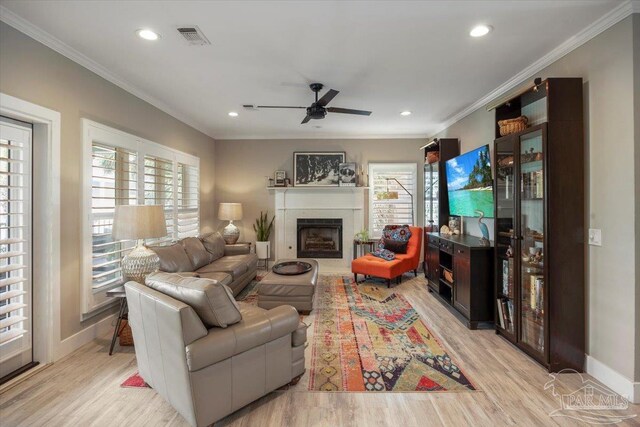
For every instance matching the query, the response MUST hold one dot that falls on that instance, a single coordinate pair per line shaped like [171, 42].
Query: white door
[15, 249]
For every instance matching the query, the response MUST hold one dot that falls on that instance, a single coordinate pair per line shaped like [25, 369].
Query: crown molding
[625, 9]
[603, 23]
[64, 49]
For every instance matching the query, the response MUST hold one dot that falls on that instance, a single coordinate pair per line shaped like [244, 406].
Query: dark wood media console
[468, 261]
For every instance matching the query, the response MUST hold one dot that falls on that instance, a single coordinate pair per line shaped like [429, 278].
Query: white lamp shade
[230, 211]
[138, 222]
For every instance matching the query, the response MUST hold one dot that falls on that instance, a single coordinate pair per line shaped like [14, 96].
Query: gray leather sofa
[208, 256]
[207, 372]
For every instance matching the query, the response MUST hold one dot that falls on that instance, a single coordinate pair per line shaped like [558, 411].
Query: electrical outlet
[595, 237]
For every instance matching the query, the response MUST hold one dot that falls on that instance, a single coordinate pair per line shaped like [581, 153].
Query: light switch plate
[595, 237]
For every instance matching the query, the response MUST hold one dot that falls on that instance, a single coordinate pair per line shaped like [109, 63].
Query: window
[114, 179]
[159, 190]
[15, 247]
[387, 180]
[188, 200]
[123, 169]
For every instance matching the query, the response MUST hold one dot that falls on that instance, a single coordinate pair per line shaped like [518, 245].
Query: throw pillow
[394, 232]
[212, 301]
[396, 246]
[214, 244]
[196, 252]
[385, 254]
[173, 258]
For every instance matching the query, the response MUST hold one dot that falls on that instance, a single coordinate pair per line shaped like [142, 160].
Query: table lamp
[230, 212]
[139, 222]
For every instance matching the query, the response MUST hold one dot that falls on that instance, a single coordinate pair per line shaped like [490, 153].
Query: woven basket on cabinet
[509, 126]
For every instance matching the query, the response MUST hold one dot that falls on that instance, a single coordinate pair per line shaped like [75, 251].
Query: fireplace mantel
[291, 203]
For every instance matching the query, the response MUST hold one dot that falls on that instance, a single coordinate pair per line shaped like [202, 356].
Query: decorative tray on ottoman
[291, 268]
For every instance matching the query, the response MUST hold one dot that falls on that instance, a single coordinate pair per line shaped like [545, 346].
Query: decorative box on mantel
[321, 203]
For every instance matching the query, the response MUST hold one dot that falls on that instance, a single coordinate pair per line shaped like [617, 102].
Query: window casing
[120, 168]
[391, 211]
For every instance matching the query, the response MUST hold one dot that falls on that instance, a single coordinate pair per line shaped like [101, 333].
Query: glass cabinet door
[532, 243]
[505, 233]
[431, 207]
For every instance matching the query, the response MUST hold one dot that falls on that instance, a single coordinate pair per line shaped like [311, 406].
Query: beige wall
[241, 167]
[636, 110]
[35, 73]
[606, 66]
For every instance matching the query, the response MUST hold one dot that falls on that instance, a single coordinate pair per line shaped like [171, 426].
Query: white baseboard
[88, 334]
[615, 381]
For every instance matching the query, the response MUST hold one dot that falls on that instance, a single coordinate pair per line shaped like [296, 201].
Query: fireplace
[319, 238]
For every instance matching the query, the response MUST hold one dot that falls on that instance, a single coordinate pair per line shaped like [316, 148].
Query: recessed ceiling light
[233, 114]
[147, 34]
[480, 30]
[405, 113]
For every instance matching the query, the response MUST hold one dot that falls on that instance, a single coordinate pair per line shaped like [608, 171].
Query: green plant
[362, 235]
[263, 227]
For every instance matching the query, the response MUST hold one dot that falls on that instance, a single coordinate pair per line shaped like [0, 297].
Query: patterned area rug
[366, 337]
[369, 338]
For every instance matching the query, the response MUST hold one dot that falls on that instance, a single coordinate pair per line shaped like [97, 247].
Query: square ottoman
[297, 291]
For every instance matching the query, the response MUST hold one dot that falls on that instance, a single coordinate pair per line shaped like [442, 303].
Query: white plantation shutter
[188, 201]
[114, 181]
[123, 169]
[159, 189]
[391, 211]
[15, 237]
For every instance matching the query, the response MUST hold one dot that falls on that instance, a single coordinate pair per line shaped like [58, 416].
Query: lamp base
[231, 233]
[139, 263]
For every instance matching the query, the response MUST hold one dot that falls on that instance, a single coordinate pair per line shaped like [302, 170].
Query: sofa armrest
[237, 249]
[252, 331]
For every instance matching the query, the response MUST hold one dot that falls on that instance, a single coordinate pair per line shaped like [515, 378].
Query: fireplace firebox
[319, 238]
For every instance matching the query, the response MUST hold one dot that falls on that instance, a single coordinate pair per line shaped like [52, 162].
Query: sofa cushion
[196, 252]
[173, 258]
[212, 301]
[214, 244]
[235, 265]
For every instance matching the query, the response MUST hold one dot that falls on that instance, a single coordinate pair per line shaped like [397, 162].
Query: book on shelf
[510, 310]
[536, 287]
[507, 277]
[500, 314]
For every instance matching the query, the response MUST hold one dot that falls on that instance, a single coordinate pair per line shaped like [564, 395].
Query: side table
[122, 313]
[363, 247]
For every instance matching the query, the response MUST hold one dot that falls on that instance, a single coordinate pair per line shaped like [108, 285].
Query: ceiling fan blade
[327, 97]
[348, 111]
[306, 119]
[269, 106]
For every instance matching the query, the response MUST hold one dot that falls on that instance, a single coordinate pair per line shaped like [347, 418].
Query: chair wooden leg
[355, 277]
[388, 283]
[415, 272]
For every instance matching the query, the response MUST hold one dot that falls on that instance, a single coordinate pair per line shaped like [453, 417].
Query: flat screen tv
[470, 184]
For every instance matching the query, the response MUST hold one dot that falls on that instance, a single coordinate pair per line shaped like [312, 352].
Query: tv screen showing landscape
[469, 183]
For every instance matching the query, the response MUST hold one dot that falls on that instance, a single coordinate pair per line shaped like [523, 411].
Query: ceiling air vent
[193, 36]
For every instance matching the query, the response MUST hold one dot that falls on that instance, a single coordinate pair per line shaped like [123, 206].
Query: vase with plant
[362, 235]
[263, 228]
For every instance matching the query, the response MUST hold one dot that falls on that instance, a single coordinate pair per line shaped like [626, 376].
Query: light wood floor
[83, 390]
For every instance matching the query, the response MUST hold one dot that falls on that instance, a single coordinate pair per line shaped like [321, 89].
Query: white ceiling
[382, 56]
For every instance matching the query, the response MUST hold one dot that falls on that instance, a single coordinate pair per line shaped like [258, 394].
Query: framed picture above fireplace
[317, 169]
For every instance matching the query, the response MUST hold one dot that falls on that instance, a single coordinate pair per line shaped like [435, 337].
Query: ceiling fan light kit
[317, 110]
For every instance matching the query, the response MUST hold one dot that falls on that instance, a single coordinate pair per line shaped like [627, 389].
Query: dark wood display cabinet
[460, 275]
[539, 225]
[436, 201]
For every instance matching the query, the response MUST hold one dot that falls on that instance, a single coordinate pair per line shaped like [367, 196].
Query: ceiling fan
[318, 110]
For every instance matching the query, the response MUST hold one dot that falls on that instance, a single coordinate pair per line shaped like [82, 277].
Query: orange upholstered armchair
[370, 265]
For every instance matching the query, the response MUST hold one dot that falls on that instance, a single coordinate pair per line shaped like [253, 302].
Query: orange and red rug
[369, 338]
